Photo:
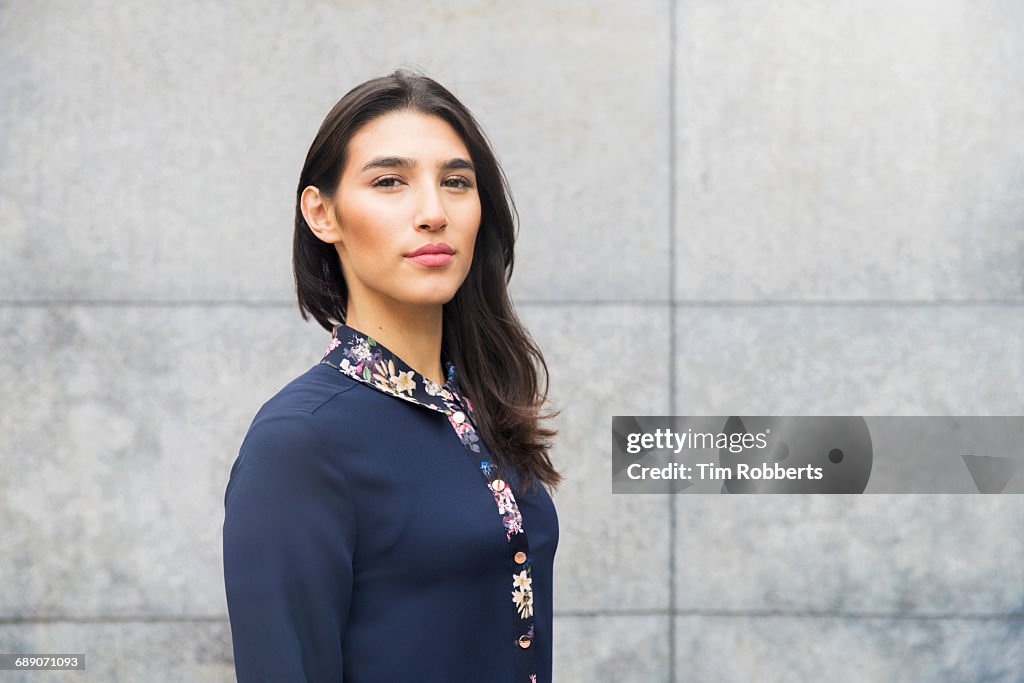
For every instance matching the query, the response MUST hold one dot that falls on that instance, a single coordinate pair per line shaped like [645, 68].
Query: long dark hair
[499, 363]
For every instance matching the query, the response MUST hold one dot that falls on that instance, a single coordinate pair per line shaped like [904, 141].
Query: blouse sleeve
[289, 537]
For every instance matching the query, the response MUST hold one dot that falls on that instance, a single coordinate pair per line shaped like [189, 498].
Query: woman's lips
[431, 260]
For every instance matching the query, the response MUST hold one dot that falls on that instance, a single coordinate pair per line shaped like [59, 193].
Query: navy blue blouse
[367, 538]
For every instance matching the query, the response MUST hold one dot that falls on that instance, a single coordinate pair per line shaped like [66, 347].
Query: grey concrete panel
[849, 150]
[850, 360]
[153, 152]
[740, 649]
[126, 652]
[891, 554]
[609, 648]
[129, 447]
[119, 428]
[613, 551]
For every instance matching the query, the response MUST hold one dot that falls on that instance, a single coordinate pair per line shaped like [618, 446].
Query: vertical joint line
[672, 323]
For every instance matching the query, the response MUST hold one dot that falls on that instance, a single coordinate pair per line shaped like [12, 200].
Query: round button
[498, 485]
[459, 417]
[524, 642]
[520, 557]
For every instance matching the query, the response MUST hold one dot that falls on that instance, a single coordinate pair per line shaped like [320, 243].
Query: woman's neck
[412, 333]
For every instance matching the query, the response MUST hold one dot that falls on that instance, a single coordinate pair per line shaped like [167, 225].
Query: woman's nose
[431, 214]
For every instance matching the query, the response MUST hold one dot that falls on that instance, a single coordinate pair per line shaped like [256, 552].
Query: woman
[386, 518]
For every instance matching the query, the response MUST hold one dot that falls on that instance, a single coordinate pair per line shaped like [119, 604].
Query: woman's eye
[387, 181]
[457, 181]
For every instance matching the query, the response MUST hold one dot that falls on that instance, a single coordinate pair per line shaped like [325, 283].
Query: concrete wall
[727, 208]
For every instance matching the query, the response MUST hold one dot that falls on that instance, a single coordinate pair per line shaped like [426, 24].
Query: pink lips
[432, 255]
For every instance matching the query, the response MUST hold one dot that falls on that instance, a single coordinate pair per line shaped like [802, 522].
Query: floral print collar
[364, 359]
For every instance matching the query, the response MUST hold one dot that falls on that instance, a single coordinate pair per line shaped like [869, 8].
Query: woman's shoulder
[292, 434]
[319, 399]
[309, 391]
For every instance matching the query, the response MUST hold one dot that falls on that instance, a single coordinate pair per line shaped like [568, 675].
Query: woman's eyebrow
[406, 162]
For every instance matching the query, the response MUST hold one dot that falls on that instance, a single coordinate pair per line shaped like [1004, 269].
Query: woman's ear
[320, 215]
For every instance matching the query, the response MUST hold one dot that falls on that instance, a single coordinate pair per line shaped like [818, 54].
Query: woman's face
[408, 184]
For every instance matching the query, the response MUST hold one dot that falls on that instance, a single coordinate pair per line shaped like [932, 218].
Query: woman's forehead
[407, 134]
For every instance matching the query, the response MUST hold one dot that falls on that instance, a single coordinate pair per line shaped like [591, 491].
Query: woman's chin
[432, 297]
